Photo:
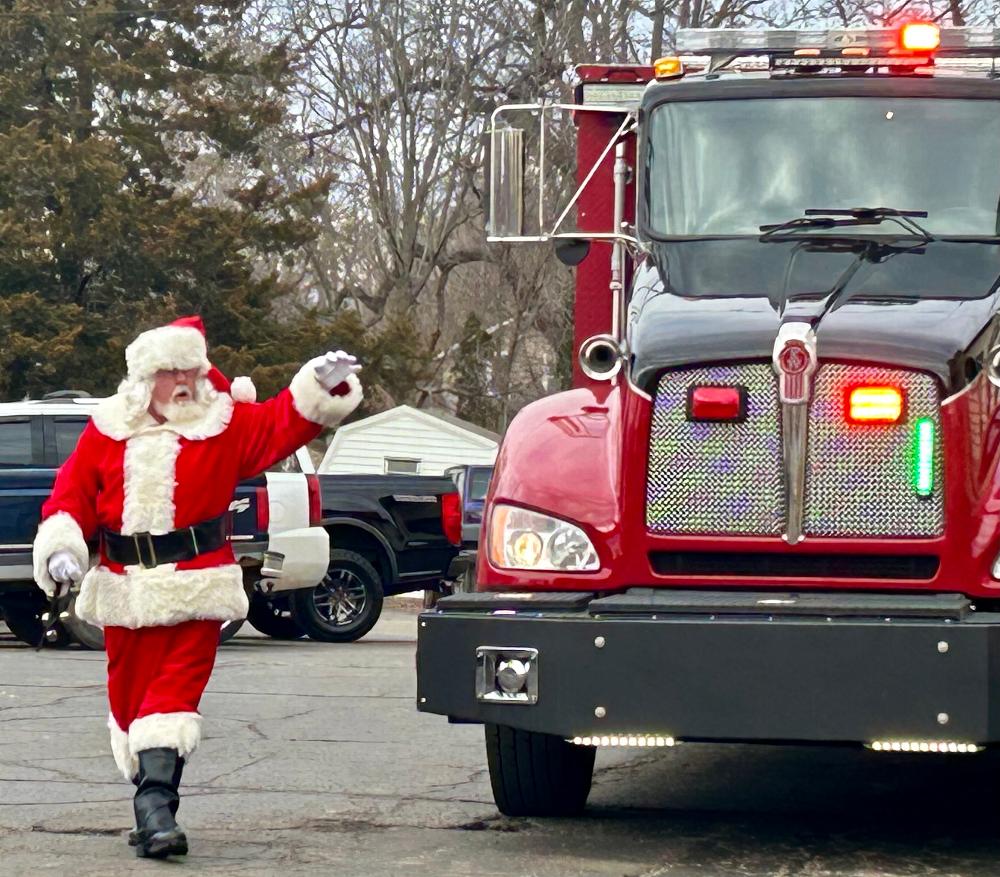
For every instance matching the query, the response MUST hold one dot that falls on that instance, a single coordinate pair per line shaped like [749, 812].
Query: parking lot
[315, 761]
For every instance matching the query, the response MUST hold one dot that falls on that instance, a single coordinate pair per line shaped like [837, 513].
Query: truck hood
[930, 307]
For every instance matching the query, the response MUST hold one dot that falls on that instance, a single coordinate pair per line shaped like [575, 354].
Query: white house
[408, 441]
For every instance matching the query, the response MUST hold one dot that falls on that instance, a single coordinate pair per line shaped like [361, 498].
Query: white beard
[187, 409]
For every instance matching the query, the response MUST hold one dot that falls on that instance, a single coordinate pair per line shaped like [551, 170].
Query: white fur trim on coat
[149, 479]
[162, 595]
[167, 347]
[115, 418]
[180, 731]
[127, 763]
[243, 390]
[59, 532]
[315, 403]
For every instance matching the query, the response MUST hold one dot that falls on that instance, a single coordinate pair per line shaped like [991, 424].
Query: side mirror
[506, 182]
[572, 251]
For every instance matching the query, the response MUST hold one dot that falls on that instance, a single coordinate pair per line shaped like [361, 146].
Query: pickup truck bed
[403, 513]
[389, 534]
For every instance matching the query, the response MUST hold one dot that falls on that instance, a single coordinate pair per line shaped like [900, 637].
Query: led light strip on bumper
[946, 746]
[625, 740]
[641, 741]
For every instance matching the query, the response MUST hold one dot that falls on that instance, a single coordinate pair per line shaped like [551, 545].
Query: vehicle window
[479, 483]
[398, 466]
[726, 167]
[67, 432]
[288, 464]
[15, 443]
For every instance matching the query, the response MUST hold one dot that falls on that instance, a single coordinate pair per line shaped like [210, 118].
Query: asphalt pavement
[315, 761]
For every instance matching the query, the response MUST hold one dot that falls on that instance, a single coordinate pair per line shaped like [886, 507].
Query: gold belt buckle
[138, 549]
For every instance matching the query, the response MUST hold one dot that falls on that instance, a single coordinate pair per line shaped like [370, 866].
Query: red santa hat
[181, 344]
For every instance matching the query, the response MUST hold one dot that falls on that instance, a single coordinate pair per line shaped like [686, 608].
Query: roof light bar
[870, 61]
[668, 68]
[880, 40]
[920, 36]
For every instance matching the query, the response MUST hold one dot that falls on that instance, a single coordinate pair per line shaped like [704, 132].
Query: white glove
[335, 368]
[65, 570]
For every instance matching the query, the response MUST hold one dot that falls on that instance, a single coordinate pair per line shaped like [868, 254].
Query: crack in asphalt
[6, 719]
[474, 777]
[334, 824]
[93, 832]
[632, 764]
[99, 686]
[234, 770]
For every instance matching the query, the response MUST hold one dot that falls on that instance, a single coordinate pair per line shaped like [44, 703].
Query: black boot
[156, 801]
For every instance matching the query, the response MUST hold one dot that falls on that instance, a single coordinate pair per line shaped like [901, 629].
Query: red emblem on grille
[795, 361]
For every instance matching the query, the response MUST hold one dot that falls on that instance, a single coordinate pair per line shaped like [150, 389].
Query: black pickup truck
[389, 534]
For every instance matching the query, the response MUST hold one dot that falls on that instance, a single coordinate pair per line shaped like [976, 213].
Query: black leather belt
[147, 550]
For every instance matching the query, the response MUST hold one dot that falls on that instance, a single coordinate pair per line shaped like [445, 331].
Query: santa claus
[152, 477]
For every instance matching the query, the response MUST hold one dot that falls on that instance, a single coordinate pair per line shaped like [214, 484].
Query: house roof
[464, 424]
[449, 421]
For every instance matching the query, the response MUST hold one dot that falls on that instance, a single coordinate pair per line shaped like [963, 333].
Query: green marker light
[923, 470]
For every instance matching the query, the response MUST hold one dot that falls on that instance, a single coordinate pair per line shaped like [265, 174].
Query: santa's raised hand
[335, 368]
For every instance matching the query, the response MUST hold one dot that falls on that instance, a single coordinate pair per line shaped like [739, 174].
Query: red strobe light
[716, 403]
[920, 36]
[875, 405]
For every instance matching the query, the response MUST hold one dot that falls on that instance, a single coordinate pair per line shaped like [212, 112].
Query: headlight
[520, 539]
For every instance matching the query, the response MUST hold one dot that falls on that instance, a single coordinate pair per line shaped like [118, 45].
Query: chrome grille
[727, 478]
[859, 478]
[716, 477]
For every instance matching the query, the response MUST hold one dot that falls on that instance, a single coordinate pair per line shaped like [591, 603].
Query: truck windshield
[727, 167]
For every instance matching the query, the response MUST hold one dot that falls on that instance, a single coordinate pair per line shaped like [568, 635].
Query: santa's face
[174, 389]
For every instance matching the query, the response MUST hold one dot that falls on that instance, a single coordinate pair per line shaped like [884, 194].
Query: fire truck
[768, 511]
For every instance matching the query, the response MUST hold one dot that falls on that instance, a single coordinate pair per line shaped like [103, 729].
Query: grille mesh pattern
[859, 478]
[727, 478]
[721, 478]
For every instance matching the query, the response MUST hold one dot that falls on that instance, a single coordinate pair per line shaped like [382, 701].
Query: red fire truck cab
[769, 509]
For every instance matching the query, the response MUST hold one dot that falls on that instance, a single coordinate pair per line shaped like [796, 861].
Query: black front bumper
[725, 666]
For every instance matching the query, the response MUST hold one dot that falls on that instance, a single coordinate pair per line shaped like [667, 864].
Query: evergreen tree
[104, 231]
[473, 375]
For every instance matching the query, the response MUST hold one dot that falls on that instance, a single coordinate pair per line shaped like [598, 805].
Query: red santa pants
[159, 669]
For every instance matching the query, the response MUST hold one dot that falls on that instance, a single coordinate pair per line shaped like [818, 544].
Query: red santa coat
[139, 477]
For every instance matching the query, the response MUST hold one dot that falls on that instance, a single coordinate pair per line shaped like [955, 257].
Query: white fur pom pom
[243, 390]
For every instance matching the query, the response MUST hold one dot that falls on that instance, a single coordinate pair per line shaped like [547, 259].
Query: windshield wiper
[818, 217]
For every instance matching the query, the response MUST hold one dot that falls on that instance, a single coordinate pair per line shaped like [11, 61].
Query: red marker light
[920, 36]
[875, 405]
[716, 403]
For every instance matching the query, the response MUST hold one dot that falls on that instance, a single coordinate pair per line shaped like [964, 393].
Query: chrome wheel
[345, 605]
[341, 597]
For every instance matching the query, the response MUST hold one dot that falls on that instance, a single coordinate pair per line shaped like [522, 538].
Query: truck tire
[87, 635]
[26, 625]
[273, 618]
[536, 774]
[345, 605]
